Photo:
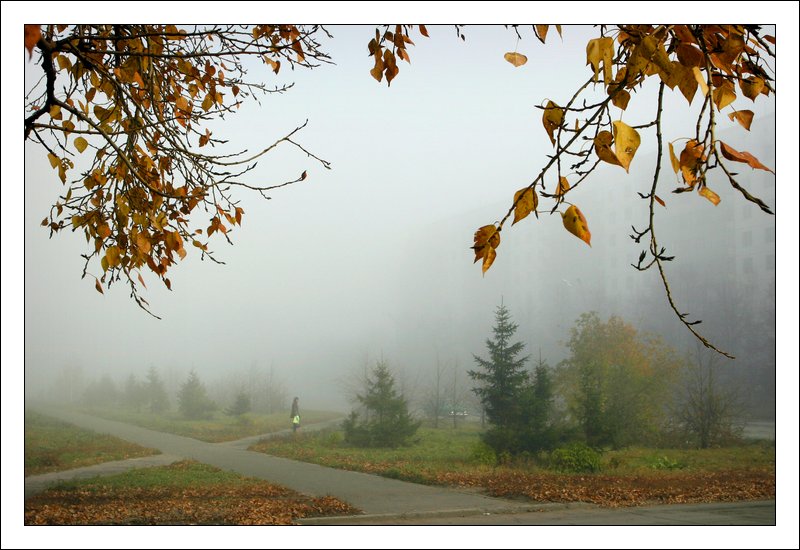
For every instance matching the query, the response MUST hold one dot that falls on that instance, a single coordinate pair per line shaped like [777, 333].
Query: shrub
[484, 454]
[575, 458]
[664, 463]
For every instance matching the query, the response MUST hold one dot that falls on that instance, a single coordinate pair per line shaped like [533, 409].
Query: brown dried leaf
[516, 59]
[732, 154]
[32, 35]
[602, 146]
[744, 117]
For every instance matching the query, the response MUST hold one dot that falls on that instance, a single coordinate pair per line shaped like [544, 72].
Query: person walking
[295, 414]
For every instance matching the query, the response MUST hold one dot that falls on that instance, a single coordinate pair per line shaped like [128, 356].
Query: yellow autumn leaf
[600, 50]
[676, 164]
[621, 99]
[208, 102]
[525, 201]
[485, 238]
[488, 258]
[112, 256]
[575, 223]
[143, 243]
[563, 186]
[54, 160]
[182, 104]
[709, 194]
[81, 144]
[684, 78]
[552, 119]
[602, 146]
[701, 80]
[516, 59]
[723, 95]
[103, 231]
[626, 142]
[752, 86]
[744, 117]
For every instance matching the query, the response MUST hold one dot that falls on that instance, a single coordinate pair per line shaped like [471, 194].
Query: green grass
[180, 475]
[434, 451]
[439, 453]
[635, 460]
[52, 446]
[220, 427]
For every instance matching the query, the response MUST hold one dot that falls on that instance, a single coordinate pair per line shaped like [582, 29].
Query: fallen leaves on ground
[259, 503]
[615, 491]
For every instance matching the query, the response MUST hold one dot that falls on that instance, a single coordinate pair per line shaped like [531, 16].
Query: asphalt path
[386, 501]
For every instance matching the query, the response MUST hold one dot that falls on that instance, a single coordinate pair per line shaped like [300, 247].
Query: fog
[372, 258]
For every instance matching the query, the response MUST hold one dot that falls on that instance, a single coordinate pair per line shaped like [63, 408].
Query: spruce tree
[503, 380]
[503, 377]
[193, 400]
[242, 404]
[388, 422]
[156, 393]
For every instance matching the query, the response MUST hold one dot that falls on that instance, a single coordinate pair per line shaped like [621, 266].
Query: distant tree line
[236, 394]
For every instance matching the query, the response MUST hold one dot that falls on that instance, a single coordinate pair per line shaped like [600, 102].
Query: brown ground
[613, 491]
[261, 504]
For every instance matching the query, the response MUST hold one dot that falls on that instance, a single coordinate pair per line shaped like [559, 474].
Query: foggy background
[372, 259]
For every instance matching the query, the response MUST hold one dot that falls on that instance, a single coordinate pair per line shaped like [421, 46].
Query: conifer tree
[156, 393]
[388, 422]
[503, 375]
[503, 386]
[193, 400]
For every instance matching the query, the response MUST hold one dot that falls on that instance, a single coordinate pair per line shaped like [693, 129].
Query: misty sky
[332, 269]
[318, 276]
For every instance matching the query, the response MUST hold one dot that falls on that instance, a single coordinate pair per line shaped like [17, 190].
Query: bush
[575, 458]
[664, 463]
[484, 454]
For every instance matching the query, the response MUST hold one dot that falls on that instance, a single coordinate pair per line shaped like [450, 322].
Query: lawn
[52, 446]
[184, 493]
[626, 477]
[217, 429]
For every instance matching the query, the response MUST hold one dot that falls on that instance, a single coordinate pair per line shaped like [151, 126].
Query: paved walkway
[374, 495]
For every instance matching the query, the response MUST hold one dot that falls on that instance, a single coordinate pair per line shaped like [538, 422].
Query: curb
[459, 512]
